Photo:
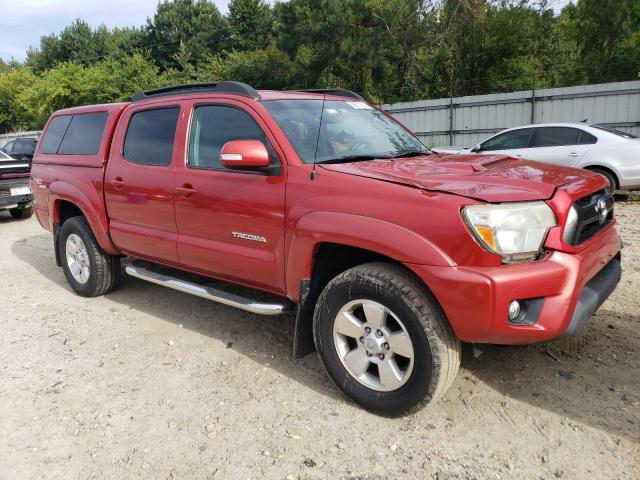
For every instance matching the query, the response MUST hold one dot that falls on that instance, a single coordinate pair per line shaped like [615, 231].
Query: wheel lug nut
[367, 329]
[379, 333]
[381, 356]
[369, 354]
[386, 346]
[361, 339]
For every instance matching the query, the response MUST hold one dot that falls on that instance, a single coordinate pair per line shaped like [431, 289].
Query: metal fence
[465, 121]
[7, 137]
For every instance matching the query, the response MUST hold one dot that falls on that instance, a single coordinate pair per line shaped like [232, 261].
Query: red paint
[405, 209]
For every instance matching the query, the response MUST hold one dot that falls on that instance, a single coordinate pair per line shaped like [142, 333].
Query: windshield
[614, 131]
[350, 130]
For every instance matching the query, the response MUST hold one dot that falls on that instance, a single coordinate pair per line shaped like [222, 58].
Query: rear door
[139, 186]
[230, 223]
[559, 145]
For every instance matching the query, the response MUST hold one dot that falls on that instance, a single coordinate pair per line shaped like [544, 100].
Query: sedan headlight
[516, 231]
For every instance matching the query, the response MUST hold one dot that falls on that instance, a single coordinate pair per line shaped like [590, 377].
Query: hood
[489, 178]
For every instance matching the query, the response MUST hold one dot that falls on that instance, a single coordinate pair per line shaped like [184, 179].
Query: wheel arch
[67, 201]
[327, 244]
[607, 168]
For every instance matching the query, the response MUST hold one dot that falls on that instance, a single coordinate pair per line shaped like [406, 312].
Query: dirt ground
[152, 383]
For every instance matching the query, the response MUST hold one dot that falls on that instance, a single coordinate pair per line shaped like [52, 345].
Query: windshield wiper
[355, 158]
[411, 153]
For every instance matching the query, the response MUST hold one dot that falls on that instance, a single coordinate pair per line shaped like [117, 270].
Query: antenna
[315, 155]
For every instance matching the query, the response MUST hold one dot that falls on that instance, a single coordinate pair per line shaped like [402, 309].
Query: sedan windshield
[350, 131]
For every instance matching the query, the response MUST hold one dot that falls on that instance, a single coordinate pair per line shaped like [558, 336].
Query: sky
[23, 22]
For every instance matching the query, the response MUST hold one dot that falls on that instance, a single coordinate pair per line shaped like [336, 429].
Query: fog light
[514, 310]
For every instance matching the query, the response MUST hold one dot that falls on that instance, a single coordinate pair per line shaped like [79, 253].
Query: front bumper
[571, 286]
[9, 200]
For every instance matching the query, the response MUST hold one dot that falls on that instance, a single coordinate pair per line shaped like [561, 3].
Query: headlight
[514, 230]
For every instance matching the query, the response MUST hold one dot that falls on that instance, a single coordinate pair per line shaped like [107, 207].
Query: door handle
[186, 191]
[117, 183]
[575, 154]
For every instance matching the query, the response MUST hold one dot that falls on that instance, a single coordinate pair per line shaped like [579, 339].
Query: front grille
[591, 216]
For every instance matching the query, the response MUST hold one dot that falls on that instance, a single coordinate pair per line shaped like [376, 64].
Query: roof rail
[332, 91]
[236, 88]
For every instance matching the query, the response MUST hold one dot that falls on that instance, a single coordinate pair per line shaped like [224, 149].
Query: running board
[210, 293]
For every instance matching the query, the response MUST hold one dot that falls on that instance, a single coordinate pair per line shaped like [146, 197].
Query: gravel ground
[151, 383]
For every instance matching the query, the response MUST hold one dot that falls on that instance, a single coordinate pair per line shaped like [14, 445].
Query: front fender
[385, 238]
[92, 208]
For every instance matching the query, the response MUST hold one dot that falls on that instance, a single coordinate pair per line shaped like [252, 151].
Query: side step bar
[226, 298]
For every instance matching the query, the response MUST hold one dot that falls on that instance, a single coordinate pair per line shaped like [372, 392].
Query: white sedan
[614, 154]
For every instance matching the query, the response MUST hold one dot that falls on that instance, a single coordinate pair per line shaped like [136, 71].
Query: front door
[139, 188]
[230, 223]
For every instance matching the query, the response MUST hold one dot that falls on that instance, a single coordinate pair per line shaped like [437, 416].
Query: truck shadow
[591, 378]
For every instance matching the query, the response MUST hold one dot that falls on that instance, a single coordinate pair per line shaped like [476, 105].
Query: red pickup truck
[317, 202]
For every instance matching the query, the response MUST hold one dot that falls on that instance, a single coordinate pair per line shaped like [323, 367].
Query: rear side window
[555, 136]
[84, 134]
[55, 132]
[150, 135]
[586, 138]
[75, 134]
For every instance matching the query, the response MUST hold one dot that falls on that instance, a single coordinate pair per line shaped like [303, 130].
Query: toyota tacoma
[317, 203]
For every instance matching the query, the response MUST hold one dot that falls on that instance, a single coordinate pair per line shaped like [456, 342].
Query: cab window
[150, 136]
[214, 125]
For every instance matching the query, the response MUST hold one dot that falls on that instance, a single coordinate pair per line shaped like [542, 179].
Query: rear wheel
[21, 213]
[383, 339]
[89, 270]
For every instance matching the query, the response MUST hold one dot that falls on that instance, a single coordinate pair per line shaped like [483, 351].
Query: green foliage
[194, 27]
[79, 43]
[13, 83]
[388, 50]
[69, 84]
[250, 24]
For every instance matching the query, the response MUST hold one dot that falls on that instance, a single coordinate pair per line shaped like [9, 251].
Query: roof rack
[236, 88]
[332, 91]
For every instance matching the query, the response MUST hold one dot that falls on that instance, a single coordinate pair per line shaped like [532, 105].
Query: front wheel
[383, 339]
[88, 269]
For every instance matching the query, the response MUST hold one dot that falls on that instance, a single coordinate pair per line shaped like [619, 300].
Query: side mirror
[476, 149]
[244, 154]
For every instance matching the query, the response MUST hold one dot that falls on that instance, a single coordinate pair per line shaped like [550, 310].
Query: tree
[250, 24]
[13, 82]
[195, 26]
[604, 30]
[79, 43]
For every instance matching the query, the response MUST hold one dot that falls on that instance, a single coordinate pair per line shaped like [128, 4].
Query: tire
[420, 376]
[103, 273]
[21, 213]
[613, 182]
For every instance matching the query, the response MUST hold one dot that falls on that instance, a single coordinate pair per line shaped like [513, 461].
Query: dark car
[20, 148]
[15, 191]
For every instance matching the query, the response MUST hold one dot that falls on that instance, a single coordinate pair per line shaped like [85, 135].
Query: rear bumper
[564, 290]
[7, 200]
